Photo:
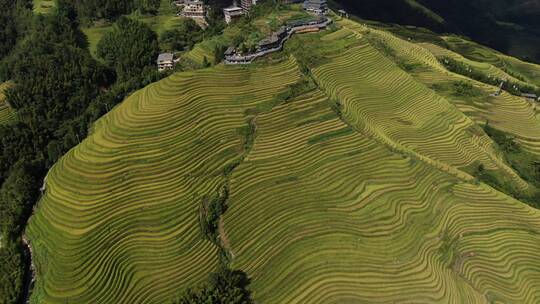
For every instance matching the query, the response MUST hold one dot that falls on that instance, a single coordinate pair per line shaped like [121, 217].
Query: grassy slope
[165, 19]
[371, 205]
[94, 35]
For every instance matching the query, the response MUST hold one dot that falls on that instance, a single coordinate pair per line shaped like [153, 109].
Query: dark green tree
[223, 287]
[130, 47]
[183, 37]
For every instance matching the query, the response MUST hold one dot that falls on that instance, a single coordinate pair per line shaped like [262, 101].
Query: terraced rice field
[355, 191]
[509, 113]
[440, 134]
[119, 221]
[473, 50]
[482, 67]
[323, 214]
[7, 115]
[514, 115]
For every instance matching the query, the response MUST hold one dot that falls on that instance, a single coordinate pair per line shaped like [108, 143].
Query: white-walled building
[247, 4]
[194, 9]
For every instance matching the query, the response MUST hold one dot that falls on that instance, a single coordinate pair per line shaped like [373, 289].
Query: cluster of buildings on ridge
[196, 9]
[234, 12]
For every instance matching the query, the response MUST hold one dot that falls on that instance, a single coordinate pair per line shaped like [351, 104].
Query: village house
[165, 61]
[194, 9]
[343, 13]
[319, 7]
[232, 13]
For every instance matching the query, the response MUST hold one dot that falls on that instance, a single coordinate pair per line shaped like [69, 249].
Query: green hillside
[353, 167]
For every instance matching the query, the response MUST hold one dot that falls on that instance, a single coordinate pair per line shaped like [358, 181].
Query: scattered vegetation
[466, 89]
[526, 164]
[212, 208]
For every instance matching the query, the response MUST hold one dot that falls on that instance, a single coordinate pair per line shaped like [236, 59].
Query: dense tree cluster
[130, 47]
[183, 37]
[110, 10]
[222, 287]
[14, 18]
[17, 196]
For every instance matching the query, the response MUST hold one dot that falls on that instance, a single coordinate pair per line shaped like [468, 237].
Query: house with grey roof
[529, 96]
[232, 13]
[165, 61]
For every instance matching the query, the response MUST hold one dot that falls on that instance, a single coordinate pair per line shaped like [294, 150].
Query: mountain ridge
[356, 168]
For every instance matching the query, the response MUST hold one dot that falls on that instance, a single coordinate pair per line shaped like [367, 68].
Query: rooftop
[165, 57]
[231, 50]
[233, 10]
